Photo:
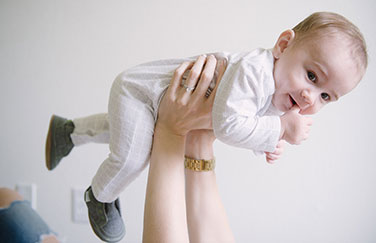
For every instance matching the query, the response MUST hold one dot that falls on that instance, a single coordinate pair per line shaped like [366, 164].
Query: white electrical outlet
[28, 192]
[79, 209]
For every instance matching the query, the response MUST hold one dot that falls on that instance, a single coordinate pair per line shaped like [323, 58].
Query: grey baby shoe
[59, 143]
[105, 218]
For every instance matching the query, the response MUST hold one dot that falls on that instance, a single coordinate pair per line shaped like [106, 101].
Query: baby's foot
[105, 218]
[59, 143]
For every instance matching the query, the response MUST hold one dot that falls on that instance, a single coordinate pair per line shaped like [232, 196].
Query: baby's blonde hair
[324, 23]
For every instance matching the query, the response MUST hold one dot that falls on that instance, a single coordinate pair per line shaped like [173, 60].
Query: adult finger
[206, 77]
[222, 64]
[177, 78]
[194, 74]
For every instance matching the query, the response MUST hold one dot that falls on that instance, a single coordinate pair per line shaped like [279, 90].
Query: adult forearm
[206, 216]
[165, 211]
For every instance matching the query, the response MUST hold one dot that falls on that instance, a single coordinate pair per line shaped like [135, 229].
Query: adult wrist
[199, 150]
[199, 165]
[168, 143]
[165, 132]
[199, 155]
[200, 147]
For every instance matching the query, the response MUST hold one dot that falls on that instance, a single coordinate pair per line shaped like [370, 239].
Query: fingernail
[224, 61]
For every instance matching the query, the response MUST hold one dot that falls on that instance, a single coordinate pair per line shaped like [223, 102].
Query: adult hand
[185, 106]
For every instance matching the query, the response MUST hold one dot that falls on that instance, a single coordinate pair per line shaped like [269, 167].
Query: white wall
[61, 57]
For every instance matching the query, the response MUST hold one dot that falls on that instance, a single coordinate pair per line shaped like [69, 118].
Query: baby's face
[313, 74]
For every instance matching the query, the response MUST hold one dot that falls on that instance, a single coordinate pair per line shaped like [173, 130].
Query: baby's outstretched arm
[295, 127]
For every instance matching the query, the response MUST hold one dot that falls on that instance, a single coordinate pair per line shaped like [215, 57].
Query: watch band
[199, 164]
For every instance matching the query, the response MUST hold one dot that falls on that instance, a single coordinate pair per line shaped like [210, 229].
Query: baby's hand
[271, 157]
[294, 126]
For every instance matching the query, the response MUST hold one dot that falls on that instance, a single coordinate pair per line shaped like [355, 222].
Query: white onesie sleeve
[243, 96]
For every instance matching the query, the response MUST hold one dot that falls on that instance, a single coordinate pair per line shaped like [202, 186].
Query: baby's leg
[63, 135]
[91, 129]
[131, 126]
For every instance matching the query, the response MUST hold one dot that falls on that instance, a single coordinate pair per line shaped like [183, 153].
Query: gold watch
[199, 164]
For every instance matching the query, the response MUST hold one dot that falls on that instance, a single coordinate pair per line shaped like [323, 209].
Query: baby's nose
[308, 98]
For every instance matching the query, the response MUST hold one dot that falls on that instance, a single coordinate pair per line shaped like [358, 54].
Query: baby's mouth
[293, 102]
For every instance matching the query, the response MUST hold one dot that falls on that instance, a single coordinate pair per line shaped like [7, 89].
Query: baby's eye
[325, 96]
[311, 76]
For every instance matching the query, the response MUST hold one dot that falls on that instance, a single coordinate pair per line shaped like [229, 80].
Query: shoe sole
[49, 143]
[98, 232]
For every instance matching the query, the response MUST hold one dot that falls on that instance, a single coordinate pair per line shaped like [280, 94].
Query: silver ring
[187, 88]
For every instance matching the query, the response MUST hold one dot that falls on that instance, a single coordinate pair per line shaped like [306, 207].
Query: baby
[261, 100]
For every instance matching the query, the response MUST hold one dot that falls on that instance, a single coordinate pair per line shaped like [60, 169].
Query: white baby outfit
[243, 115]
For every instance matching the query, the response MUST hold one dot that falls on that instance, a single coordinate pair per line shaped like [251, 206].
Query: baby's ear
[284, 40]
